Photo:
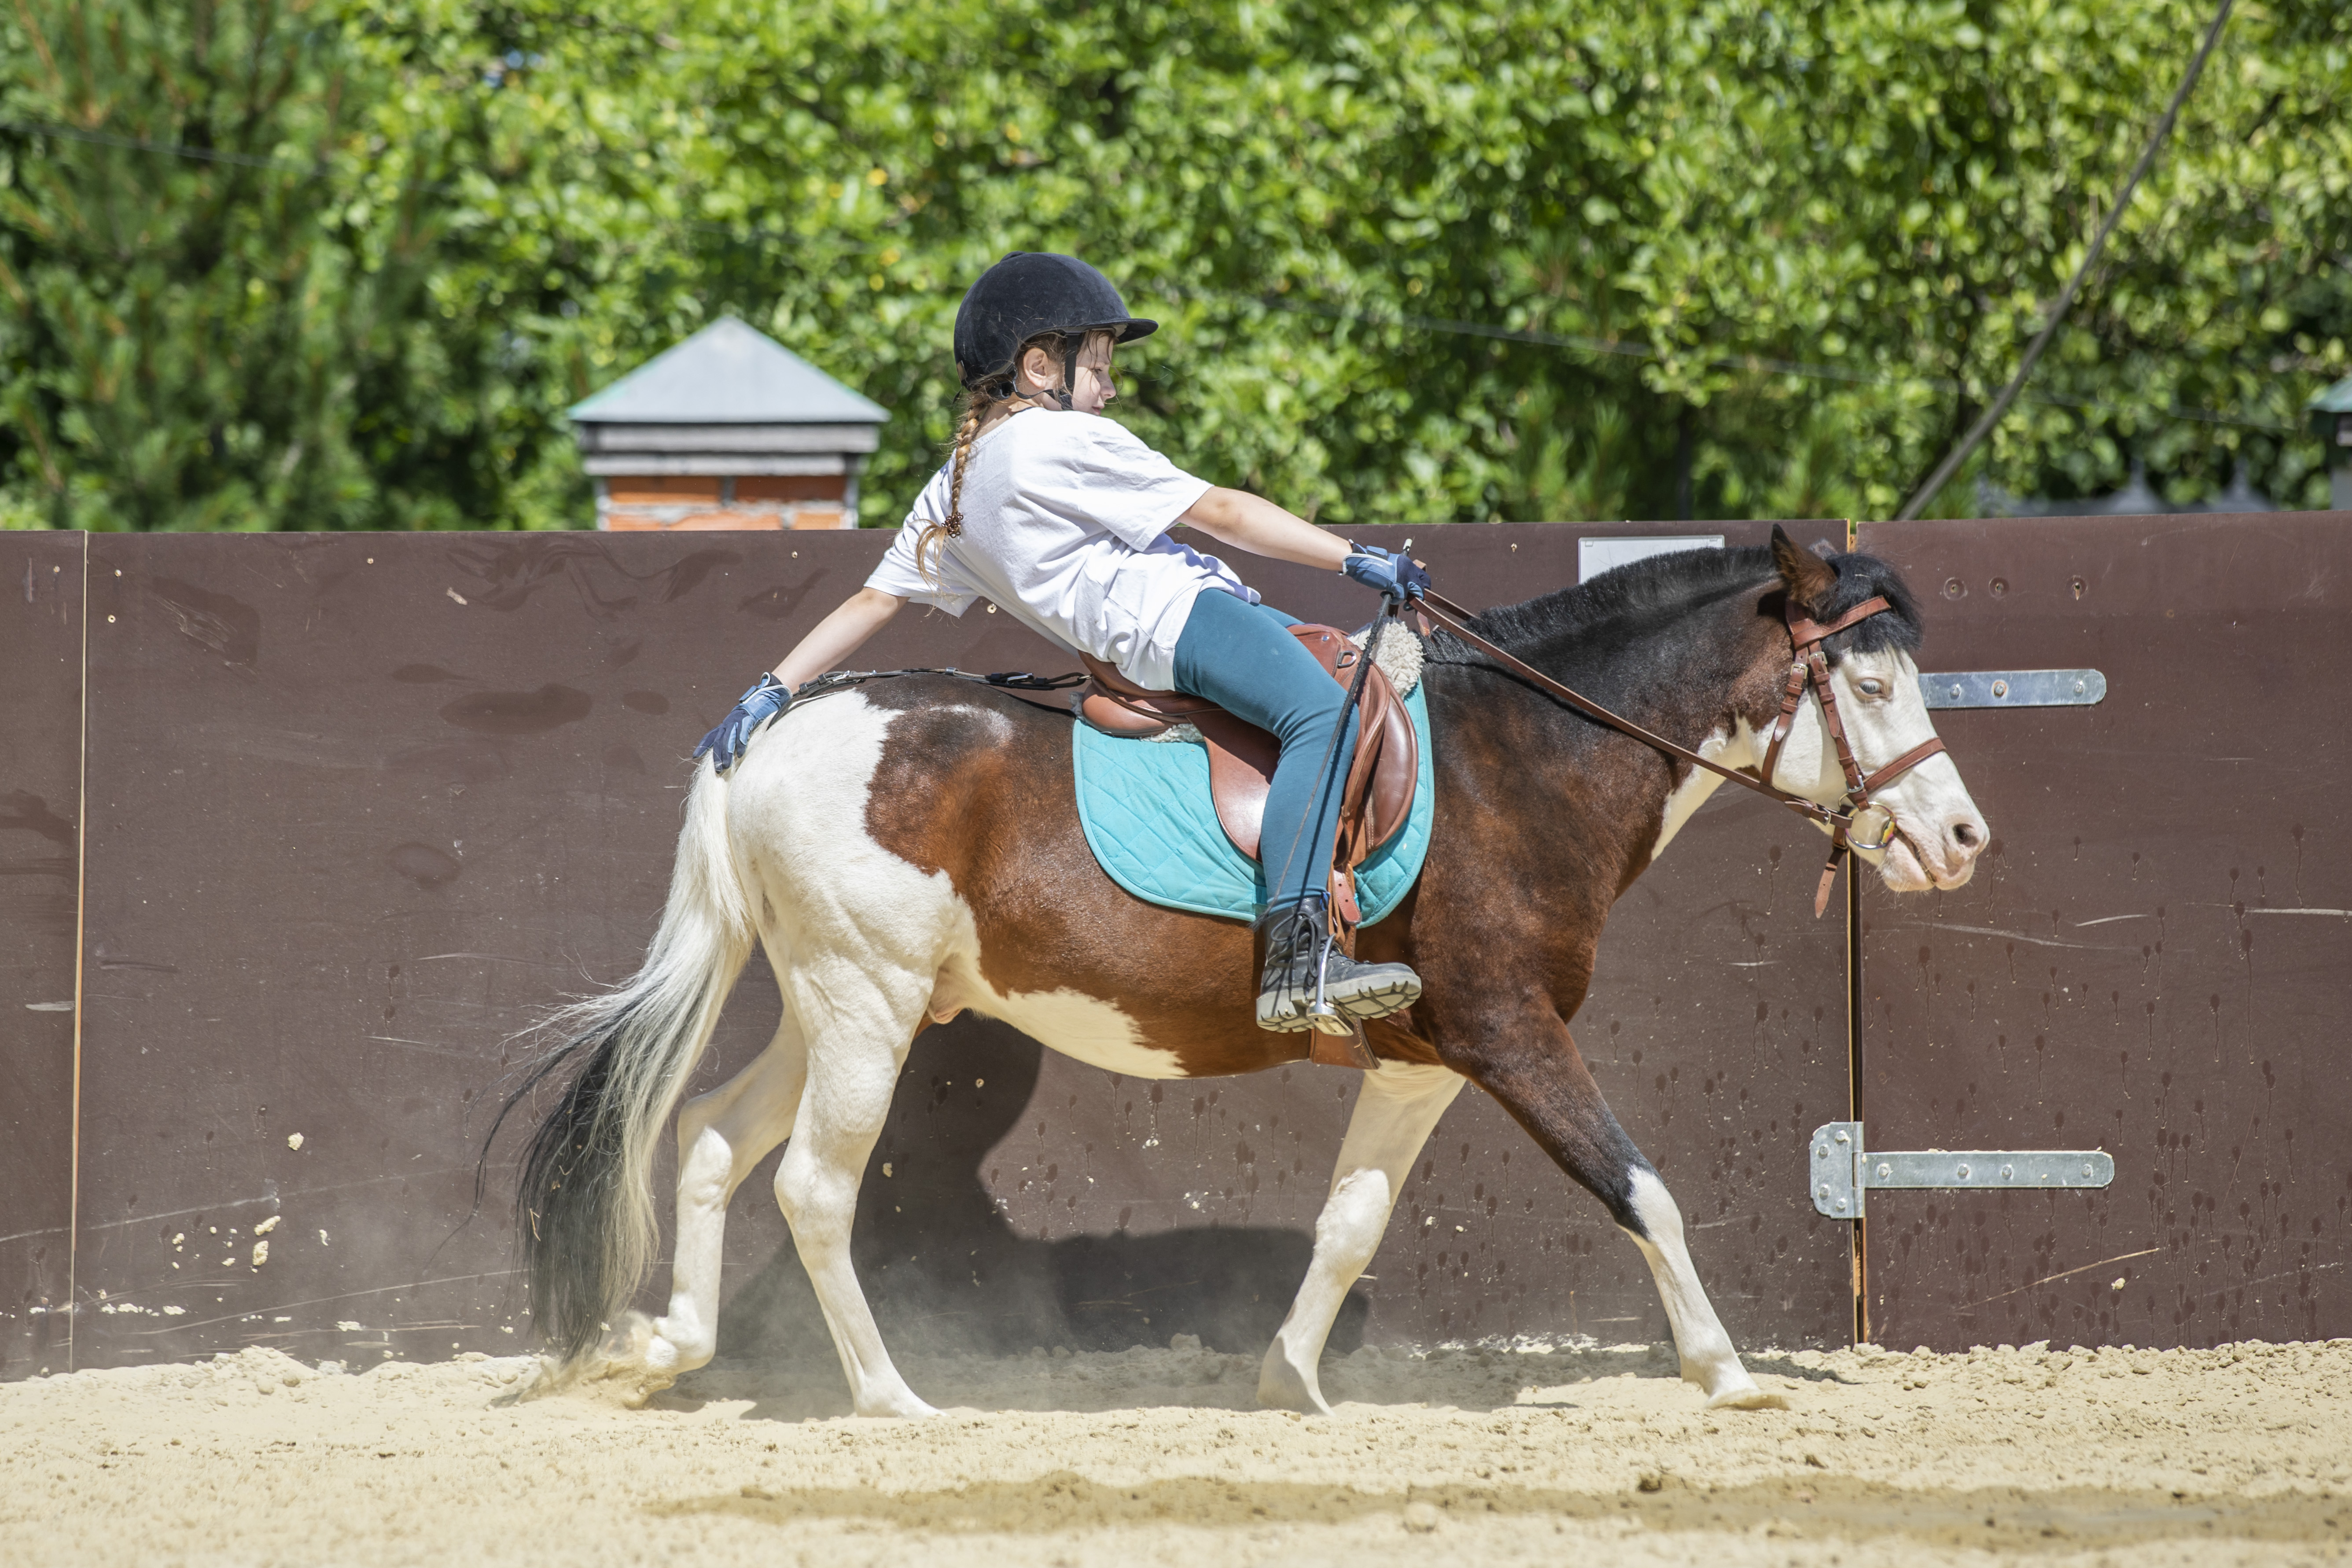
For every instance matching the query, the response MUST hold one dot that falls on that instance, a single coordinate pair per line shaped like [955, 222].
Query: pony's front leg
[1707, 1356]
[1395, 1112]
[1543, 1082]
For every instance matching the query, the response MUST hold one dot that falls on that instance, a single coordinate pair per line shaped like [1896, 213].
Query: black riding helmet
[1028, 295]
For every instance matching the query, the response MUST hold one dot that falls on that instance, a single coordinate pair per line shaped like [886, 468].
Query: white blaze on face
[1939, 832]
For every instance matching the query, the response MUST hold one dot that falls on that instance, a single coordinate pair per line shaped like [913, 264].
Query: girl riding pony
[1060, 517]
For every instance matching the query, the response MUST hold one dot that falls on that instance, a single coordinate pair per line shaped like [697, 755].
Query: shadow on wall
[946, 1273]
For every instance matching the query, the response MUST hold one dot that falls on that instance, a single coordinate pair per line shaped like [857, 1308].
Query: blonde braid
[979, 404]
[975, 405]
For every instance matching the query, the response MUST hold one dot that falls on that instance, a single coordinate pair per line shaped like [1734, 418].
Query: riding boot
[1296, 940]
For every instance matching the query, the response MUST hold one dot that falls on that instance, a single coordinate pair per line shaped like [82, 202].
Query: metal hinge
[1842, 1172]
[2014, 688]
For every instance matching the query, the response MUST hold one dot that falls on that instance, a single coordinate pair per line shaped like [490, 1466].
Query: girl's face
[1094, 388]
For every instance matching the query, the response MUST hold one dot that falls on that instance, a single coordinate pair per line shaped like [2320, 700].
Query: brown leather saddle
[1378, 795]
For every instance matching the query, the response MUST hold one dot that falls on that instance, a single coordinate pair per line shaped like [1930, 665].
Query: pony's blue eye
[1872, 688]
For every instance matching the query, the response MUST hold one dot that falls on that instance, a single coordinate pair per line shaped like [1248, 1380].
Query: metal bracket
[1843, 1173]
[2014, 688]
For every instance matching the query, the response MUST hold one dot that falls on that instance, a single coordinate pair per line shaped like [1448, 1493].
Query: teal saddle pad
[1152, 825]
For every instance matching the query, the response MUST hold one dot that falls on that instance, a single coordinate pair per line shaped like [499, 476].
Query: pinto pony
[910, 848]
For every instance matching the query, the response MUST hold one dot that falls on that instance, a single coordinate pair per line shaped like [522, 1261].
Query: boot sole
[1366, 1000]
[1375, 998]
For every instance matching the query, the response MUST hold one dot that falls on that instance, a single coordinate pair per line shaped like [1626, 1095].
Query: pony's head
[1938, 831]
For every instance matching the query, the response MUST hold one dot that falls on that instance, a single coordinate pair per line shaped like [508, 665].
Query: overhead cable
[1992, 416]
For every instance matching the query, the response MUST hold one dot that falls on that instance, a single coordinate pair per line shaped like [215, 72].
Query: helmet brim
[1124, 331]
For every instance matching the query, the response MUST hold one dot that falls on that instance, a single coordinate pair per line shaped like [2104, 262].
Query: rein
[1809, 667]
[1013, 681]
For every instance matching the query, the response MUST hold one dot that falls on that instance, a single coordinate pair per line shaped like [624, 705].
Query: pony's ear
[1806, 575]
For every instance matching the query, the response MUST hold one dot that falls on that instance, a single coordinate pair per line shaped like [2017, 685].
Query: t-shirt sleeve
[1103, 472]
[899, 575]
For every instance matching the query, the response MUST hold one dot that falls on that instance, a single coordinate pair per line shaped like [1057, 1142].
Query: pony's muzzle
[1919, 857]
[1964, 838]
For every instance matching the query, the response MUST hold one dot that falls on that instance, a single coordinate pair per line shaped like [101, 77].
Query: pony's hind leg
[1546, 1087]
[721, 1136]
[854, 1064]
[1395, 1112]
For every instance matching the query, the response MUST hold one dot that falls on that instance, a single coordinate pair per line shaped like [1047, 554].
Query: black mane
[1633, 600]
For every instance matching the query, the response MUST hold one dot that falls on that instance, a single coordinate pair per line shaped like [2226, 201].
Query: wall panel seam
[81, 911]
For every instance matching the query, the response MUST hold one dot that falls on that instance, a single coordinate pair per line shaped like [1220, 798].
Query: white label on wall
[1594, 556]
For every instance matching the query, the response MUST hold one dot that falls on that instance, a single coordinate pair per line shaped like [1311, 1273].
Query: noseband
[1809, 667]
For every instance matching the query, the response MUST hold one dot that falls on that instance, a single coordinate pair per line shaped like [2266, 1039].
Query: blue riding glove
[1387, 572]
[768, 698]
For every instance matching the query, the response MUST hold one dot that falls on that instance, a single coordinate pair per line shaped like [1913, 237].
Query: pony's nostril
[1966, 835]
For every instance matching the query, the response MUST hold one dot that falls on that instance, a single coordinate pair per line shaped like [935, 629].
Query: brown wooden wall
[358, 807]
[40, 785]
[2156, 955]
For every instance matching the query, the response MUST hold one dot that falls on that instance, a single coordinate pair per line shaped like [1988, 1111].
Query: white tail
[585, 1206]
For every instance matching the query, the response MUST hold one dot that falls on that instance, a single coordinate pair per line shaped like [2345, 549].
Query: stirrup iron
[1321, 1016]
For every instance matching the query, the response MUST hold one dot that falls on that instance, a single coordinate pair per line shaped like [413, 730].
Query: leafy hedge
[314, 264]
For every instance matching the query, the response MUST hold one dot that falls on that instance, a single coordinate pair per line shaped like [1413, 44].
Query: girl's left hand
[1388, 572]
[767, 697]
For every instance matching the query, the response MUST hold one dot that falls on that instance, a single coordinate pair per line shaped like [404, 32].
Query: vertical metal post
[1854, 1016]
[1853, 1019]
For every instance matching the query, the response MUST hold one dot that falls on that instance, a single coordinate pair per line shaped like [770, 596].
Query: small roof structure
[730, 373]
[728, 400]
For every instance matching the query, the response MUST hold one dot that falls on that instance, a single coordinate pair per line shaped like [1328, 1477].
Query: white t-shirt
[1065, 527]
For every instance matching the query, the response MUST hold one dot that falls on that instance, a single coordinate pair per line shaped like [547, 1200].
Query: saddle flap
[1379, 795]
[1151, 824]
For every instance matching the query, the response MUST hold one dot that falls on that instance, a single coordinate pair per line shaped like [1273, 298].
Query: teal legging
[1242, 658]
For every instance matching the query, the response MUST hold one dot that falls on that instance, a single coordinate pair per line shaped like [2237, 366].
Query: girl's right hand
[1388, 572]
[767, 698]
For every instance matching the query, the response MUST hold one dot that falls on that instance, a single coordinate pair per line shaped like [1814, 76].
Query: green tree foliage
[318, 265]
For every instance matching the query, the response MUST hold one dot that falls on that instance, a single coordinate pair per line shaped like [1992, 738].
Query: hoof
[1746, 1396]
[1282, 1387]
[631, 1365]
[902, 1407]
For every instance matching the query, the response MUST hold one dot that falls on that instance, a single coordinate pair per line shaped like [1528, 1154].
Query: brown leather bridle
[1808, 666]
